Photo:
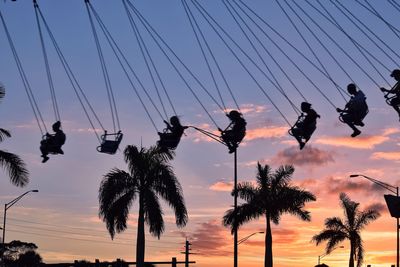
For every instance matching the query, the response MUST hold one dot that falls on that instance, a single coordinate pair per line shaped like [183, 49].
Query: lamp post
[323, 255]
[394, 190]
[247, 237]
[6, 207]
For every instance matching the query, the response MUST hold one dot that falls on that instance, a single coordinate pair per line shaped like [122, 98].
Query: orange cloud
[335, 185]
[210, 238]
[307, 156]
[266, 132]
[361, 142]
[386, 155]
[222, 186]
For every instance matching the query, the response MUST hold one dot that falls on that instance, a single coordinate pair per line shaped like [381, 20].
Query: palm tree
[272, 196]
[12, 163]
[150, 177]
[336, 230]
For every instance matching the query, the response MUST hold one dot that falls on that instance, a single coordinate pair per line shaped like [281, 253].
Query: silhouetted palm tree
[150, 177]
[12, 163]
[271, 197]
[336, 230]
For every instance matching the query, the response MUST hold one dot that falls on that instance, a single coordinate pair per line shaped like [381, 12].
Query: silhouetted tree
[150, 177]
[21, 254]
[29, 259]
[12, 163]
[336, 230]
[272, 196]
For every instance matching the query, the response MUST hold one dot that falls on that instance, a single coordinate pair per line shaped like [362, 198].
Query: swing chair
[110, 142]
[301, 131]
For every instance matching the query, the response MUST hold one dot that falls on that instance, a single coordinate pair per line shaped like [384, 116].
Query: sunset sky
[62, 218]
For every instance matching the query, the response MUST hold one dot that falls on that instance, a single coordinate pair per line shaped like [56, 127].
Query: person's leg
[348, 119]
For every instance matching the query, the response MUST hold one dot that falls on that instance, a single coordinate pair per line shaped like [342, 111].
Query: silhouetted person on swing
[305, 125]
[355, 110]
[52, 142]
[394, 101]
[235, 132]
[169, 139]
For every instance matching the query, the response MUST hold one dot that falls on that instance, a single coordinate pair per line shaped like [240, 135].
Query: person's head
[396, 74]
[174, 120]
[234, 115]
[305, 107]
[56, 126]
[352, 89]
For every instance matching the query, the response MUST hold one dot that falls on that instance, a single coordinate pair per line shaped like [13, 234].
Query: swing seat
[389, 99]
[303, 131]
[110, 146]
[51, 146]
[168, 141]
[357, 118]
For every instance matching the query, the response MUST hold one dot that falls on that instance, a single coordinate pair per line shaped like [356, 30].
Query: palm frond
[283, 174]
[116, 195]
[327, 234]
[4, 134]
[2, 91]
[335, 223]
[350, 209]
[366, 217]
[246, 191]
[169, 188]
[245, 213]
[15, 167]
[359, 251]
[263, 177]
[153, 213]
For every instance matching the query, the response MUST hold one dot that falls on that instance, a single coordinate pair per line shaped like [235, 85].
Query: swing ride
[257, 57]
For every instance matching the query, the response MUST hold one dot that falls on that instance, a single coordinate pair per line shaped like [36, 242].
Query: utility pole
[187, 252]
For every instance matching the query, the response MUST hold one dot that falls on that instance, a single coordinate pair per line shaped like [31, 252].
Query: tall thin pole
[397, 227]
[235, 233]
[4, 235]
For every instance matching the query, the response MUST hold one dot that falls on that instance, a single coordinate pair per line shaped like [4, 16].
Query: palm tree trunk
[140, 243]
[351, 260]
[268, 261]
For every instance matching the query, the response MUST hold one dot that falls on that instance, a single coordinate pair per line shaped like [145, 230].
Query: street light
[323, 255]
[394, 190]
[6, 207]
[247, 237]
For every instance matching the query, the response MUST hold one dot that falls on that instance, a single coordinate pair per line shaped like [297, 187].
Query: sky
[62, 218]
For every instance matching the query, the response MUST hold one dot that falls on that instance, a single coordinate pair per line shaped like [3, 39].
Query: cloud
[266, 132]
[361, 142]
[386, 155]
[222, 186]
[378, 206]
[210, 239]
[337, 184]
[307, 156]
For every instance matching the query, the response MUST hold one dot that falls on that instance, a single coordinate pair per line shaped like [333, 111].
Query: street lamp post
[6, 207]
[394, 190]
[323, 255]
[240, 241]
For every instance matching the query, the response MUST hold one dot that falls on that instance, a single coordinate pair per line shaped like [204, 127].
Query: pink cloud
[222, 186]
[386, 155]
[210, 238]
[378, 206]
[335, 185]
[266, 132]
[307, 156]
[360, 142]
